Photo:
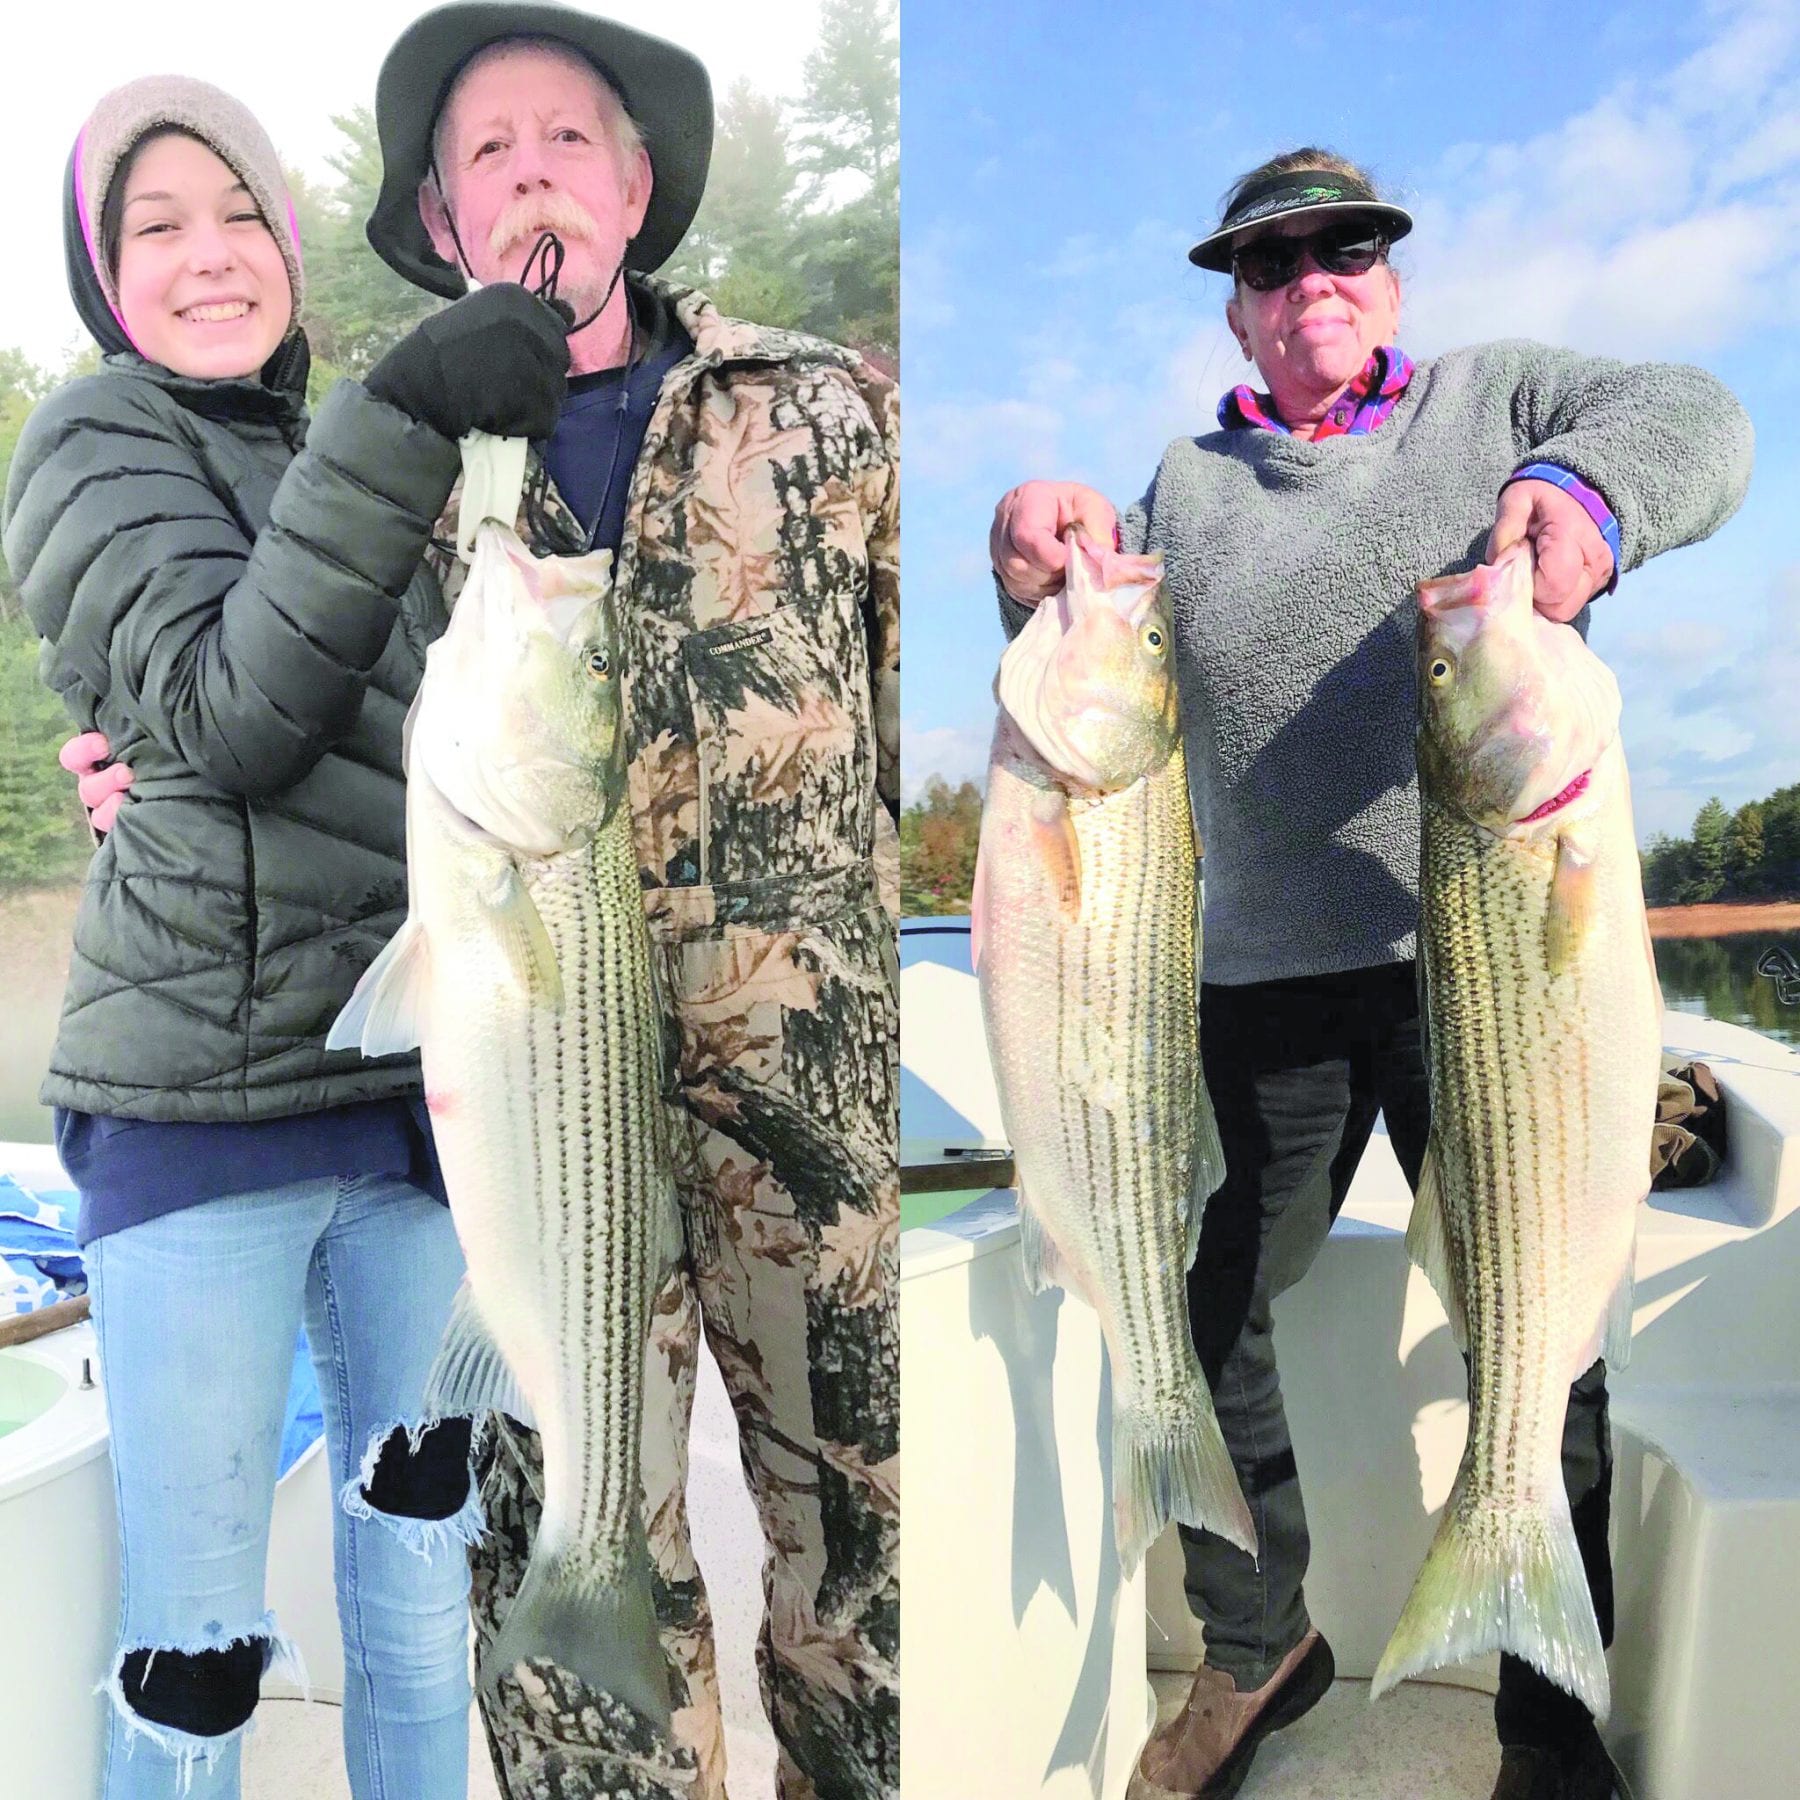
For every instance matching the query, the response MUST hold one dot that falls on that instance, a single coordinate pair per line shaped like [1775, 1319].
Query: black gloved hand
[496, 360]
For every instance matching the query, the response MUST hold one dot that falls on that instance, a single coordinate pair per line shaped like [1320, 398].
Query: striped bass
[523, 974]
[1087, 948]
[1543, 1023]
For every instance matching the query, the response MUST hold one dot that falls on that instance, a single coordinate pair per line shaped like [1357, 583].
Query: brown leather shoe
[1205, 1750]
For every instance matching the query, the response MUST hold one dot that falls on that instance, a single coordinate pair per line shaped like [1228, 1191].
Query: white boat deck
[1706, 1497]
[1424, 1741]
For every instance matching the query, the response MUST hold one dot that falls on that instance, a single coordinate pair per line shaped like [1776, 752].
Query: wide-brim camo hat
[665, 89]
[1293, 194]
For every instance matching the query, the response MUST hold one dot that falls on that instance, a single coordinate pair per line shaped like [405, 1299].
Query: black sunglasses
[1347, 247]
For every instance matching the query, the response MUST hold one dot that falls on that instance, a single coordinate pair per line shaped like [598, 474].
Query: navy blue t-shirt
[132, 1170]
[594, 448]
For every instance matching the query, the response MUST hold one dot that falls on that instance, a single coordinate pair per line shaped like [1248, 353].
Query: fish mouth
[1557, 802]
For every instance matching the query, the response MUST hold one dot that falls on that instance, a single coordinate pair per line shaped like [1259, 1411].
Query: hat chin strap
[462, 257]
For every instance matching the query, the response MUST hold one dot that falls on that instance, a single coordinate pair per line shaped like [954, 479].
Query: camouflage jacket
[758, 580]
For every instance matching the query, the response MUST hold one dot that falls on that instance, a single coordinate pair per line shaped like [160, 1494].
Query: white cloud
[1659, 221]
[954, 441]
[951, 752]
[1710, 713]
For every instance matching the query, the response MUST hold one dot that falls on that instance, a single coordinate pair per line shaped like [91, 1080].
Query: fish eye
[599, 664]
[1440, 670]
[1153, 639]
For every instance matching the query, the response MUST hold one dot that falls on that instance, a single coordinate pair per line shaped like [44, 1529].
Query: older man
[747, 480]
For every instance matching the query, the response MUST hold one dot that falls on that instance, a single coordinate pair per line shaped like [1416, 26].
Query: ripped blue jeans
[196, 1314]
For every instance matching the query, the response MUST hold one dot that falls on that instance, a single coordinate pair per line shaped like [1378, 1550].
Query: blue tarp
[40, 1264]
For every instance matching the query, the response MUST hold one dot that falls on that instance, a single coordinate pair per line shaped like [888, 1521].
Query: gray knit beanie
[227, 128]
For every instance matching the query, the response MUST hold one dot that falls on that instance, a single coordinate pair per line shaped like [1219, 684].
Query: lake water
[1721, 978]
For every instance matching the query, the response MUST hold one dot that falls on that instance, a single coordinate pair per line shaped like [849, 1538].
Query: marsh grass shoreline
[1724, 918]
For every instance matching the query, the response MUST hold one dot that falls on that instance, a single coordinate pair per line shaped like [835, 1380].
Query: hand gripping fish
[523, 974]
[1087, 946]
[1544, 1023]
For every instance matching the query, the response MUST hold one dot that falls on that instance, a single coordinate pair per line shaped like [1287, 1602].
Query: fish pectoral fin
[1428, 1244]
[386, 1013]
[1571, 912]
[470, 1376]
[1054, 841]
[529, 952]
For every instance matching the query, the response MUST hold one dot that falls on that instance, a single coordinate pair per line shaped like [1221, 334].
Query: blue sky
[1627, 185]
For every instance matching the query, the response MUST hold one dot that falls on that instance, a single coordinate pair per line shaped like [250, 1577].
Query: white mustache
[532, 214]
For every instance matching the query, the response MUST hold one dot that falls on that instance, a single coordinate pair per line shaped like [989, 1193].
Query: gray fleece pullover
[1290, 568]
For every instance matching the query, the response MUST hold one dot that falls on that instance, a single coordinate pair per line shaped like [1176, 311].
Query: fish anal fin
[1057, 848]
[386, 1013]
[1428, 1244]
[470, 1376]
[1572, 902]
[1042, 1261]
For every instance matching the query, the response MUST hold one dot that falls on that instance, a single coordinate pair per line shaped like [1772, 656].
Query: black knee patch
[431, 1482]
[205, 1693]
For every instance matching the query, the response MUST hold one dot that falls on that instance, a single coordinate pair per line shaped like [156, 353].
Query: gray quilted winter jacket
[238, 603]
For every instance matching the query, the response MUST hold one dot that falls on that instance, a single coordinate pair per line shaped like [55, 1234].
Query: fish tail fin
[603, 1632]
[1502, 1579]
[1179, 1468]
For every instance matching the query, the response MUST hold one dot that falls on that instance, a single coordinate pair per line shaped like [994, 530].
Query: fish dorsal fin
[470, 1376]
[386, 1013]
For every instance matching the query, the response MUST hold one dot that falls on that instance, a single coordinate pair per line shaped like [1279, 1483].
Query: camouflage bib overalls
[759, 589]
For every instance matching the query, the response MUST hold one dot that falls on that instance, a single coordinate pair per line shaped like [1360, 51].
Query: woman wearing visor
[1292, 538]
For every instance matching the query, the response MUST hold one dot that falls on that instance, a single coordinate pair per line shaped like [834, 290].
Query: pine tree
[1708, 876]
[1744, 849]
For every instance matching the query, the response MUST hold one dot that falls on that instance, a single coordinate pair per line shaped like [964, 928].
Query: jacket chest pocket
[784, 741]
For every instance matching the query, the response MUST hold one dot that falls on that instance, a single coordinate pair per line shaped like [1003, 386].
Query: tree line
[1750, 854]
[800, 228]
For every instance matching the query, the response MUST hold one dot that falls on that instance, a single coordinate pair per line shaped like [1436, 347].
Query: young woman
[235, 601]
